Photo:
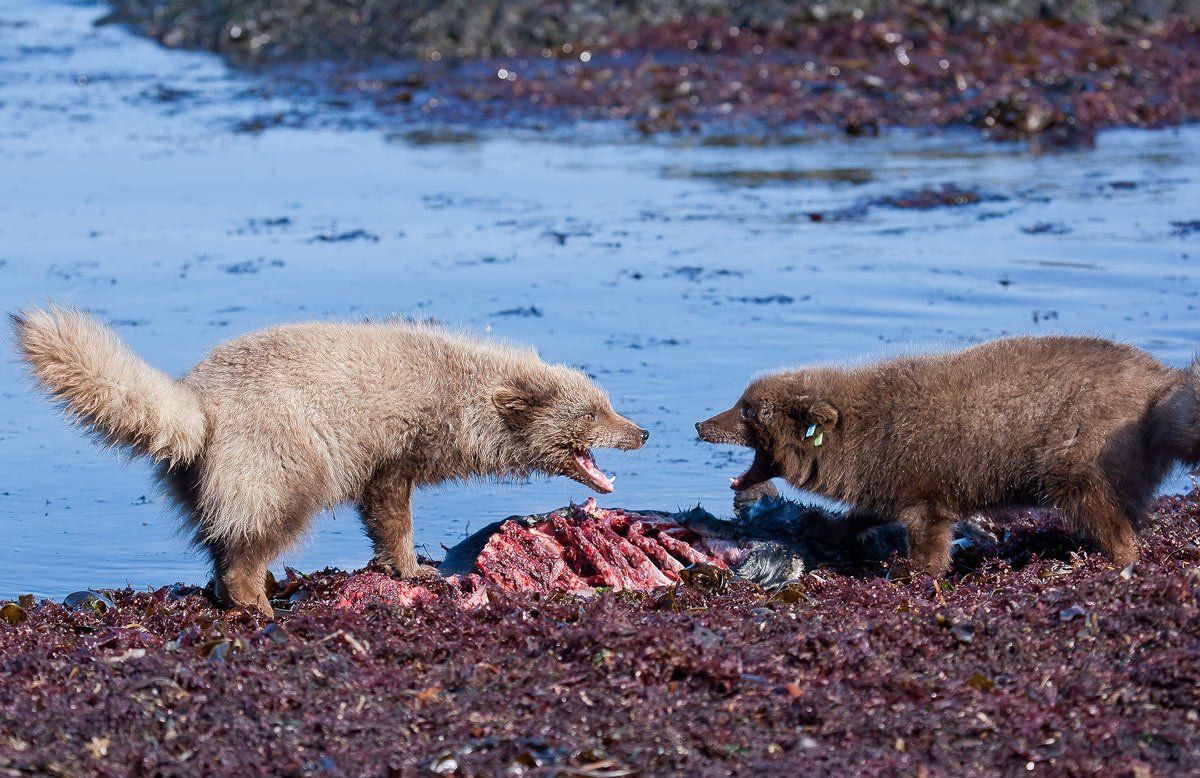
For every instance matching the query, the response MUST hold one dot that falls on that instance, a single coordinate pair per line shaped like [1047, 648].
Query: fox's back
[993, 422]
[345, 360]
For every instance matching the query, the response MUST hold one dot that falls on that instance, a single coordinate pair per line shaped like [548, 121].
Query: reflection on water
[671, 271]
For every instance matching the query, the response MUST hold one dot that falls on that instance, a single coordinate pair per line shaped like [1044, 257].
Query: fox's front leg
[387, 515]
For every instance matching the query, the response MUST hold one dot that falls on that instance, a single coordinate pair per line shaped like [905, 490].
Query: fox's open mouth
[762, 469]
[589, 473]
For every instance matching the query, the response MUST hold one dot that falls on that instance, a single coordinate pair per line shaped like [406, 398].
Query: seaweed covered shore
[1035, 655]
[1055, 71]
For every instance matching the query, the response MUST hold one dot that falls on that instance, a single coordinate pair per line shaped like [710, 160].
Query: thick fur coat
[1086, 425]
[277, 425]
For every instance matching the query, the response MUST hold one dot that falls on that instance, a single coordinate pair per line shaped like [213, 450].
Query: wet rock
[767, 299]
[345, 237]
[756, 178]
[945, 196]
[88, 600]
[927, 199]
[167, 94]
[1046, 228]
[524, 312]
[13, 614]
[251, 266]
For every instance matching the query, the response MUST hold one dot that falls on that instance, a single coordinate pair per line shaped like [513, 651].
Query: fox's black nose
[645, 435]
[698, 425]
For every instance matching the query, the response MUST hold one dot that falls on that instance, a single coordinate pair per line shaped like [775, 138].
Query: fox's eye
[748, 412]
[589, 417]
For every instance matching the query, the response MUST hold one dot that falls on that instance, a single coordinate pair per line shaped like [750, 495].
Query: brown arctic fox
[1083, 424]
[276, 425]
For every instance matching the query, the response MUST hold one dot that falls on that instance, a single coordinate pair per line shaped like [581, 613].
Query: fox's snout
[726, 427]
[624, 434]
[634, 437]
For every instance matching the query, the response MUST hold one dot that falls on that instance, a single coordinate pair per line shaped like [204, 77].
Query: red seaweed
[1037, 656]
[1010, 73]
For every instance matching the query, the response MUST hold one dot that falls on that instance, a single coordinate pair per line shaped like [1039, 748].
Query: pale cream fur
[276, 425]
[106, 386]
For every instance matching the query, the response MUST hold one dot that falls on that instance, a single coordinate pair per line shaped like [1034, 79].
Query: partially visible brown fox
[274, 426]
[1086, 425]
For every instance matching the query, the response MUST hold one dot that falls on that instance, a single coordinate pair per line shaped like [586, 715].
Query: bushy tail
[81, 362]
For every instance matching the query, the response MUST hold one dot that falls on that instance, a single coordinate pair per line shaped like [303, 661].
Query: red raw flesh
[516, 558]
[369, 587]
[627, 576]
[669, 565]
[606, 574]
[681, 549]
[564, 551]
[637, 560]
[617, 521]
[556, 527]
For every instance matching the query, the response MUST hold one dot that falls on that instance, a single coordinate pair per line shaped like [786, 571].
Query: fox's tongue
[598, 480]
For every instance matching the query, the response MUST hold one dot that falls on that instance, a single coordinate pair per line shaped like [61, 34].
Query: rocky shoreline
[1034, 655]
[1055, 72]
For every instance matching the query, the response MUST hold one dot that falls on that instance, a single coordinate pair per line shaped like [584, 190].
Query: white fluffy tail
[81, 362]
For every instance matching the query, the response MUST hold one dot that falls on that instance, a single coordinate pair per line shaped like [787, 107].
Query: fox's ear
[818, 412]
[506, 400]
[518, 397]
[823, 414]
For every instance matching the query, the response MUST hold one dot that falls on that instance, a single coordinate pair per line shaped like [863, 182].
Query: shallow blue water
[670, 270]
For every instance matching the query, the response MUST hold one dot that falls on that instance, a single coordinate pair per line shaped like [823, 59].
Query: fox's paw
[395, 571]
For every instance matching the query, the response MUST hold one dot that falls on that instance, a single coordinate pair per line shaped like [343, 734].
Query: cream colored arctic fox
[277, 425]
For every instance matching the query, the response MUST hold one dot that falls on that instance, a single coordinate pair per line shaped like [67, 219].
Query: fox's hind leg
[245, 520]
[386, 509]
[241, 573]
[239, 566]
[931, 534]
[1095, 507]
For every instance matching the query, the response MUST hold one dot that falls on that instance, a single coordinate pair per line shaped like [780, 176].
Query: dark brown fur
[1083, 424]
